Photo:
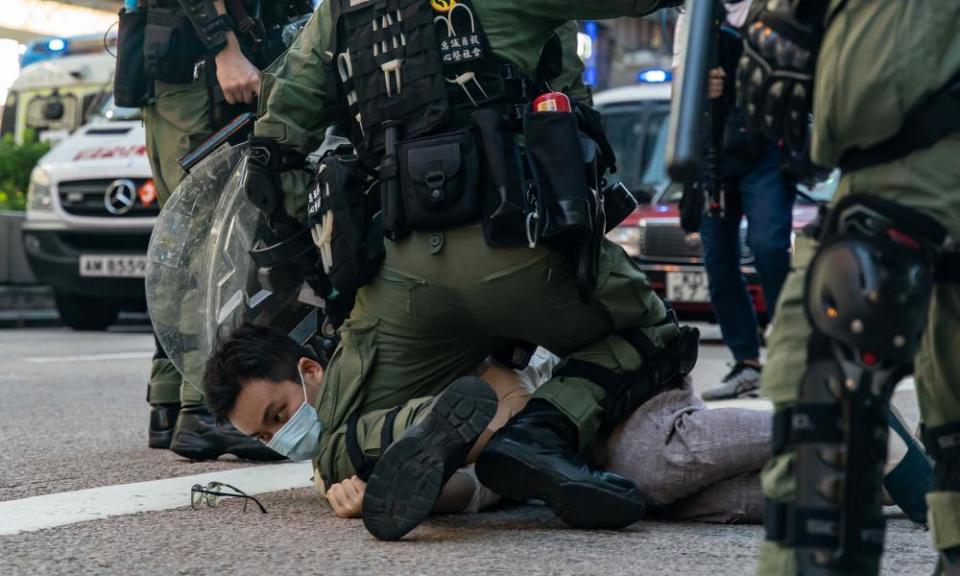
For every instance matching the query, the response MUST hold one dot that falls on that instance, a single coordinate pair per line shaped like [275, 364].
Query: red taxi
[636, 119]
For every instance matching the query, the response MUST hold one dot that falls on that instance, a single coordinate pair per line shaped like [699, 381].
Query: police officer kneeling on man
[487, 243]
[193, 66]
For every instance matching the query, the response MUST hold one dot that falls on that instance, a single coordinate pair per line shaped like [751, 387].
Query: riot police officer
[483, 247]
[874, 291]
[203, 58]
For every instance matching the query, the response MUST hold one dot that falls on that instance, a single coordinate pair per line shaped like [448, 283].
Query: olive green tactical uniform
[879, 59]
[176, 122]
[443, 302]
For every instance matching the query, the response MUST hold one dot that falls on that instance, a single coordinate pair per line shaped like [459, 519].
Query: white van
[91, 207]
[54, 97]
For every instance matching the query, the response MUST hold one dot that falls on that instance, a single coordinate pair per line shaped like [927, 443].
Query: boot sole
[578, 504]
[406, 482]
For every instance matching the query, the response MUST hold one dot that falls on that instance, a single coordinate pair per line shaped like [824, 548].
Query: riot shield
[202, 280]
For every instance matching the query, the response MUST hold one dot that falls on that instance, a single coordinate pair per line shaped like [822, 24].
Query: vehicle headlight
[628, 237]
[38, 193]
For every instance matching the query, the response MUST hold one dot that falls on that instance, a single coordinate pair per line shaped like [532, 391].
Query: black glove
[261, 181]
[775, 73]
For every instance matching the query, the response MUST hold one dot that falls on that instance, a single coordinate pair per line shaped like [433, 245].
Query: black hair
[249, 352]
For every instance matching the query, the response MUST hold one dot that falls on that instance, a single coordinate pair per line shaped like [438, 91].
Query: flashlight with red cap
[552, 102]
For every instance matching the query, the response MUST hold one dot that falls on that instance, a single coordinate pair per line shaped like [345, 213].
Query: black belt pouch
[170, 48]
[439, 176]
[131, 88]
[556, 158]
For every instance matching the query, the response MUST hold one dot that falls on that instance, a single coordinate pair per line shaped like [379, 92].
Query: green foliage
[16, 163]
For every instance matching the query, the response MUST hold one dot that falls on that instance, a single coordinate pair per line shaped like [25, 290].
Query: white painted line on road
[41, 512]
[89, 357]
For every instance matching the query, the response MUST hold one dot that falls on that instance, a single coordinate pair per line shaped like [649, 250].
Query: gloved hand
[261, 181]
[775, 73]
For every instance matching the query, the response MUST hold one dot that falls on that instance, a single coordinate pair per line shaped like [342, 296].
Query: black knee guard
[943, 444]
[661, 369]
[867, 295]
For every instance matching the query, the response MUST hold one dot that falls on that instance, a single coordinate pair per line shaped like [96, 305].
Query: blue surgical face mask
[299, 438]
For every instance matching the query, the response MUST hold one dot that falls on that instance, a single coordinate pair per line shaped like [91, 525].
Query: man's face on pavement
[264, 406]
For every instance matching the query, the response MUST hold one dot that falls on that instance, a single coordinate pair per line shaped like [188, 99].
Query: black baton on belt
[684, 143]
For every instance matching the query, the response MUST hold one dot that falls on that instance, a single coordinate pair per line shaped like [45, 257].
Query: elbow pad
[211, 28]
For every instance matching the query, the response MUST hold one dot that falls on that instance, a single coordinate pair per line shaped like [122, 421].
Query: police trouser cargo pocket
[170, 47]
[130, 85]
[439, 178]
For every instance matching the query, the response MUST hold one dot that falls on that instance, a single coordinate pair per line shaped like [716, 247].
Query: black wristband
[214, 34]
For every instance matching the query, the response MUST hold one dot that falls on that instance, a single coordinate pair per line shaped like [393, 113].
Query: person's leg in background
[731, 304]
[176, 122]
[767, 203]
[168, 130]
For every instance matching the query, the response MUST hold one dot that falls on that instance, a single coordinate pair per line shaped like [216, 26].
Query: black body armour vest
[403, 63]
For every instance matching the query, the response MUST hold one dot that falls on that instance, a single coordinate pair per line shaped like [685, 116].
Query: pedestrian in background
[752, 186]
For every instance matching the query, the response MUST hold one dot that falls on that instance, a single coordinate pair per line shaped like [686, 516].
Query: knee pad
[868, 291]
[869, 285]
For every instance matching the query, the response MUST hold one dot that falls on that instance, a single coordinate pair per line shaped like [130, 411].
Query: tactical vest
[452, 132]
[403, 62]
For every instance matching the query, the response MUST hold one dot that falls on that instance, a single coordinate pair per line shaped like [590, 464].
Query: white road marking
[89, 357]
[41, 512]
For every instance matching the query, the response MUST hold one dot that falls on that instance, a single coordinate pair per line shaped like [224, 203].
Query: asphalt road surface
[80, 493]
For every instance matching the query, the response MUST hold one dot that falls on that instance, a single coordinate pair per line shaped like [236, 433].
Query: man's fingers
[229, 96]
[335, 496]
[350, 488]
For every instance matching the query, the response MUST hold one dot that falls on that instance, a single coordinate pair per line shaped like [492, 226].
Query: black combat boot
[534, 457]
[198, 437]
[406, 481]
[163, 417]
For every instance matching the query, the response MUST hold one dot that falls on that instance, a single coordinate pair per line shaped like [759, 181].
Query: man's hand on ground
[238, 78]
[346, 498]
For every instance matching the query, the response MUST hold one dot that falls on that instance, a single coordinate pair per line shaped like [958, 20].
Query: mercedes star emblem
[120, 196]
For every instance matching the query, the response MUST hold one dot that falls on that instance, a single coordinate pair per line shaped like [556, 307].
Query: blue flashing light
[654, 76]
[56, 45]
[590, 72]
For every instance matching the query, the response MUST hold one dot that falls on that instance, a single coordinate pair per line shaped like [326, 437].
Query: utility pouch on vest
[618, 203]
[502, 181]
[130, 85]
[556, 158]
[439, 180]
[170, 47]
[392, 68]
[347, 228]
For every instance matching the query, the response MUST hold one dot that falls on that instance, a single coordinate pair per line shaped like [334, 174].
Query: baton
[684, 144]
[236, 131]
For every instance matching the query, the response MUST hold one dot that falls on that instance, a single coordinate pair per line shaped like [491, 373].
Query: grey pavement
[73, 416]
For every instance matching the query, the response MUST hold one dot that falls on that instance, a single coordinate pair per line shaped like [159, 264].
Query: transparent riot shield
[202, 281]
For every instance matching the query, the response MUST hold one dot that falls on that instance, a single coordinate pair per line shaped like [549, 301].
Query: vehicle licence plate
[113, 266]
[687, 287]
